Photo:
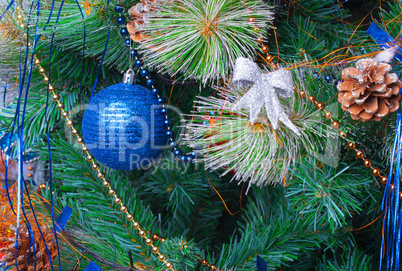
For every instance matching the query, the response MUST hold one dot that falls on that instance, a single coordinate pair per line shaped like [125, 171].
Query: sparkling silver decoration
[264, 90]
[145, 7]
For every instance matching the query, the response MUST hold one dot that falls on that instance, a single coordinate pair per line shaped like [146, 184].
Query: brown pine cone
[369, 91]
[23, 261]
[140, 13]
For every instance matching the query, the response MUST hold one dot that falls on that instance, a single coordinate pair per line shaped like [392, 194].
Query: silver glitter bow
[264, 85]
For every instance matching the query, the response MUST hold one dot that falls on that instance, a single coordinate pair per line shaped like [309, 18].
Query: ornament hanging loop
[129, 77]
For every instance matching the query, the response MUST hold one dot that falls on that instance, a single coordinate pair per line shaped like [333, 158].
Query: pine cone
[24, 262]
[369, 91]
[140, 13]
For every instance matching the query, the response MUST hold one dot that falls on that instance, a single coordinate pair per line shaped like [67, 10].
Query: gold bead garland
[112, 192]
[264, 48]
[205, 262]
[118, 200]
[351, 145]
[105, 183]
[101, 175]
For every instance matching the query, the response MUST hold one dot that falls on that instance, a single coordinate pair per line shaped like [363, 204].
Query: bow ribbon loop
[245, 72]
[264, 90]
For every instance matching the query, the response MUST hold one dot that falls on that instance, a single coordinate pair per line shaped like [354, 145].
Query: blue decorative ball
[123, 127]
[7, 139]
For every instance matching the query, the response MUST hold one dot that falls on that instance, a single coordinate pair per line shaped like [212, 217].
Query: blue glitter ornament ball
[123, 127]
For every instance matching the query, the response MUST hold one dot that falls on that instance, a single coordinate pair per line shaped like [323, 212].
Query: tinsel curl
[224, 138]
[201, 39]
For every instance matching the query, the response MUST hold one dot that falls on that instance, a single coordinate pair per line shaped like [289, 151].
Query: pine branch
[325, 194]
[99, 259]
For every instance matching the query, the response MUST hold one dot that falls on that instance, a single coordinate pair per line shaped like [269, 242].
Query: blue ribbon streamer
[20, 204]
[20, 130]
[92, 267]
[2, 267]
[390, 202]
[55, 230]
[63, 218]
[261, 264]
[4, 95]
[7, 8]
[384, 40]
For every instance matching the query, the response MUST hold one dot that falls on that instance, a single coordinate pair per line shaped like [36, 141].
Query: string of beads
[188, 158]
[147, 236]
[336, 125]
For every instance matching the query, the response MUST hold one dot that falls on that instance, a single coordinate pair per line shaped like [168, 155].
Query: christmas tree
[200, 135]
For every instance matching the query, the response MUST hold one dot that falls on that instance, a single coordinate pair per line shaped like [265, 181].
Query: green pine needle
[256, 153]
[327, 195]
[203, 38]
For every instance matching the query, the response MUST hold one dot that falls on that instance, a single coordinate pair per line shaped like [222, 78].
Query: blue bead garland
[119, 9]
[177, 152]
[138, 63]
[172, 144]
[133, 53]
[150, 82]
[124, 31]
[327, 78]
[121, 20]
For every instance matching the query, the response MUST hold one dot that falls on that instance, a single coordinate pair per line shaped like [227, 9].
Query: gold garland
[149, 241]
[101, 175]
[351, 145]
[112, 192]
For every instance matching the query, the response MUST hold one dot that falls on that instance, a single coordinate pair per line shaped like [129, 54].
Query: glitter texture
[247, 73]
[227, 141]
[123, 127]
